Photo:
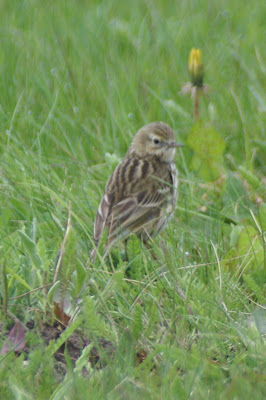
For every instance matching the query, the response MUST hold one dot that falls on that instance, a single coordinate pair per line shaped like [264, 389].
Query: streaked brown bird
[140, 196]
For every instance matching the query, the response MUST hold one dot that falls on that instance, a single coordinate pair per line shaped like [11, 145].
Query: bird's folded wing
[134, 212]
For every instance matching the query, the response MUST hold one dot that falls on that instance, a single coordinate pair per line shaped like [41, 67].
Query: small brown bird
[140, 196]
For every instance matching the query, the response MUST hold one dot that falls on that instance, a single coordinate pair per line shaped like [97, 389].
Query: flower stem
[196, 105]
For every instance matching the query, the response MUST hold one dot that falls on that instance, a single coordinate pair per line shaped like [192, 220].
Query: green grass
[77, 80]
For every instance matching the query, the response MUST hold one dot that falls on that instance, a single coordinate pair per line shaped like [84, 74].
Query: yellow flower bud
[195, 67]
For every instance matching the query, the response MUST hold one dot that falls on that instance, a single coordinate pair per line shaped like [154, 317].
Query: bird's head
[156, 139]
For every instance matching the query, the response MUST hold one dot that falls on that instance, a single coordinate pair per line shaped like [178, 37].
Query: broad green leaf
[250, 245]
[51, 294]
[42, 252]
[31, 250]
[246, 254]
[230, 260]
[208, 169]
[245, 259]
[80, 277]
[208, 147]
[246, 238]
[206, 142]
[22, 281]
[251, 178]
[234, 235]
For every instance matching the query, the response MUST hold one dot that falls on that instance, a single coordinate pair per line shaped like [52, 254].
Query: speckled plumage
[140, 196]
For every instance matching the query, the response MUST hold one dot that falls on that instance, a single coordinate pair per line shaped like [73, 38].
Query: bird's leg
[148, 247]
[125, 245]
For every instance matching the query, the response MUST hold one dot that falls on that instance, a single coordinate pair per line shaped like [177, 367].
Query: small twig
[254, 302]
[4, 285]
[14, 318]
[216, 262]
[31, 291]
[59, 261]
[256, 222]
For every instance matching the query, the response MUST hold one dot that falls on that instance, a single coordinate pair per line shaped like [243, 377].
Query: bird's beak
[174, 144]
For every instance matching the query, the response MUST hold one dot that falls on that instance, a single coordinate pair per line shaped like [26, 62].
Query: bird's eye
[156, 141]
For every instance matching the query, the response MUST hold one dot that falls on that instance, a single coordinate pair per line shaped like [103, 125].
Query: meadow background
[77, 80]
